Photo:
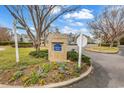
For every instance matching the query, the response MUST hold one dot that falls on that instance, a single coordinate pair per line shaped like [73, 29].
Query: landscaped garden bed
[37, 70]
[108, 50]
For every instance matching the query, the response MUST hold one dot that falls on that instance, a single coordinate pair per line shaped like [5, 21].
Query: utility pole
[16, 41]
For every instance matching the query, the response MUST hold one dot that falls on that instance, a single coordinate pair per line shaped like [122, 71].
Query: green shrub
[20, 44]
[54, 65]
[73, 56]
[46, 67]
[91, 43]
[32, 79]
[121, 43]
[23, 45]
[39, 54]
[86, 59]
[16, 75]
[62, 65]
[108, 44]
[5, 43]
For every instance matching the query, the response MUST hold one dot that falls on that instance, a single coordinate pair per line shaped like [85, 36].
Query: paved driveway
[121, 51]
[108, 71]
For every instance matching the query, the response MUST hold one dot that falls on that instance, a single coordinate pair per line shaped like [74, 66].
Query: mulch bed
[54, 75]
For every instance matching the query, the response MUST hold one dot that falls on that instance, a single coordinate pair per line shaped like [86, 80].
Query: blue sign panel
[57, 47]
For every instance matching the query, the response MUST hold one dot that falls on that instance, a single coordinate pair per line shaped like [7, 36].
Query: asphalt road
[108, 72]
[121, 53]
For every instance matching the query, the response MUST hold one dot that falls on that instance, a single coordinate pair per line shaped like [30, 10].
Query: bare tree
[4, 34]
[109, 23]
[38, 17]
[45, 36]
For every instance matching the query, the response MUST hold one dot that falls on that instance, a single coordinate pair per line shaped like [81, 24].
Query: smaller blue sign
[57, 47]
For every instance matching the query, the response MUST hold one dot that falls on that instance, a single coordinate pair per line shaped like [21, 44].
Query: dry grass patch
[103, 49]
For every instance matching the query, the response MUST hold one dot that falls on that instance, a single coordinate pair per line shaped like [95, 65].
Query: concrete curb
[102, 52]
[55, 85]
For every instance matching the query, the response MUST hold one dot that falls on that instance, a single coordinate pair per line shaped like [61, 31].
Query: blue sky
[69, 23]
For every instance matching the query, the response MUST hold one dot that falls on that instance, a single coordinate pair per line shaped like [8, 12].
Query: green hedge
[121, 43]
[39, 54]
[108, 44]
[23, 45]
[5, 43]
[20, 44]
[71, 55]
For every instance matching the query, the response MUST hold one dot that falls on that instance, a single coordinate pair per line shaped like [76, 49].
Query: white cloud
[32, 28]
[91, 36]
[82, 14]
[77, 24]
[56, 10]
[68, 30]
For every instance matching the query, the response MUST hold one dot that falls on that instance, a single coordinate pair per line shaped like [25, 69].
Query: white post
[16, 42]
[81, 42]
[80, 52]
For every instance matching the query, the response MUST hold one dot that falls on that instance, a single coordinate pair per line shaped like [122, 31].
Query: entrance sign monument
[58, 48]
[81, 42]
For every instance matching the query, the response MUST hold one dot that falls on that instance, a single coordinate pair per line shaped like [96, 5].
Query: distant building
[21, 38]
[25, 38]
[72, 38]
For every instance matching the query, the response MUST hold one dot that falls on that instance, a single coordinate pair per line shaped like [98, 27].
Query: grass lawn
[103, 49]
[7, 58]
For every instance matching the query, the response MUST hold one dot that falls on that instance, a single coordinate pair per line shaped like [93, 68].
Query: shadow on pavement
[97, 79]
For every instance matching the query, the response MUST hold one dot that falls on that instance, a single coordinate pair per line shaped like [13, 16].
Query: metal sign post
[16, 42]
[80, 51]
[81, 42]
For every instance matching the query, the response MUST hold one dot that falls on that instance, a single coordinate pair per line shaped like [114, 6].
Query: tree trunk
[111, 45]
[37, 46]
[118, 43]
[44, 43]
